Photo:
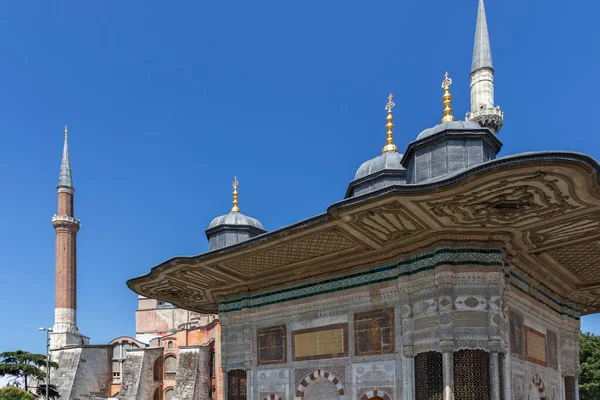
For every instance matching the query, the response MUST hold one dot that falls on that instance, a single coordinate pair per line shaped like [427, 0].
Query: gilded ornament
[389, 146]
[235, 207]
[447, 99]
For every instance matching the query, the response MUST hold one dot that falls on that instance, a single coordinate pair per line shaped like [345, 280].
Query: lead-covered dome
[384, 170]
[235, 218]
[232, 228]
[389, 160]
[449, 126]
[448, 148]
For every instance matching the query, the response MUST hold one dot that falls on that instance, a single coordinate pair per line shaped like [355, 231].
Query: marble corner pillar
[225, 384]
[408, 376]
[507, 377]
[249, 379]
[447, 347]
[495, 370]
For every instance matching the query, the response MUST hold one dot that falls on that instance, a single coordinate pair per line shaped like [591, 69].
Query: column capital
[495, 346]
[447, 346]
[408, 350]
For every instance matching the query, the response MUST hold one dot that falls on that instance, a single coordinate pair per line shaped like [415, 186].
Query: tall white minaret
[483, 109]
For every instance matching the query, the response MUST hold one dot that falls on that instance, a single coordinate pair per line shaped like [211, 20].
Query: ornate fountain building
[444, 273]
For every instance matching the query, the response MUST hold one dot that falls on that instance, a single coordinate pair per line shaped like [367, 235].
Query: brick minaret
[65, 332]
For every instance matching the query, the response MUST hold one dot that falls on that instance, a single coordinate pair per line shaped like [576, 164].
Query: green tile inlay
[408, 266]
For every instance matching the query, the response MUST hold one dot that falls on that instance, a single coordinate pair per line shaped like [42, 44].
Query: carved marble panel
[376, 375]
[271, 345]
[552, 345]
[517, 333]
[273, 381]
[374, 332]
[389, 223]
[562, 232]
[514, 201]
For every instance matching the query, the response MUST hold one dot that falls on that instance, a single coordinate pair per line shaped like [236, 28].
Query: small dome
[388, 160]
[452, 125]
[236, 218]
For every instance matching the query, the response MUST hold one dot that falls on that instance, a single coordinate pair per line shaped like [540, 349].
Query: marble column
[494, 376]
[447, 347]
[249, 380]
[495, 347]
[225, 384]
[507, 377]
[408, 381]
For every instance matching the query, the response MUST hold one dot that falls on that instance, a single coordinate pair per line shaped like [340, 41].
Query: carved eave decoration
[543, 209]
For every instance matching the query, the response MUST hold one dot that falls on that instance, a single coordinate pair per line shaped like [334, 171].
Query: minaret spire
[65, 181]
[482, 51]
[483, 109]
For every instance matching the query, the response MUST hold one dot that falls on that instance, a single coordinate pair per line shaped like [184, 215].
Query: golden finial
[235, 207]
[447, 97]
[66, 132]
[389, 146]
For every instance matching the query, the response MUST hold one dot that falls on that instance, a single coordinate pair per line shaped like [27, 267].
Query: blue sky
[167, 101]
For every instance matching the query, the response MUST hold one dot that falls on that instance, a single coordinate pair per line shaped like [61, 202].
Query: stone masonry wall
[193, 373]
[138, 375]
[83, 372]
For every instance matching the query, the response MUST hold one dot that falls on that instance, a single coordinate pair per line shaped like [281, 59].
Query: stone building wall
[142, 374]
[351, 338]
[83, 372]
[193, 374]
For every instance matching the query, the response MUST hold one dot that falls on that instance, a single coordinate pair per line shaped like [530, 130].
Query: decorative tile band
[404, 267]
[484, 256]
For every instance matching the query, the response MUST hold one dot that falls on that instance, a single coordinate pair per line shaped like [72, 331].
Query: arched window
[170, 366]
[170, 345]
[158, 369]
[169, 394]
[119, 353]
[236, 384]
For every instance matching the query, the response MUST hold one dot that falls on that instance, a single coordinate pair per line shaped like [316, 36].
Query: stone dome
[236, 218]
[388, 160]
[450, 126]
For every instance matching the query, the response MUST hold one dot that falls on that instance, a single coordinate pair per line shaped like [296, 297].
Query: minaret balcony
[65, 218]
[487, 117]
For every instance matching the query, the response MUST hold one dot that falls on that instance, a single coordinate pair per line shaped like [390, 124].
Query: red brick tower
[65, 332]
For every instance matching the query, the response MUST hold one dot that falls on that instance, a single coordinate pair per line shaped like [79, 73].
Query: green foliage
[14, 393]
[41, 391]
[22, 364]
[589, 357]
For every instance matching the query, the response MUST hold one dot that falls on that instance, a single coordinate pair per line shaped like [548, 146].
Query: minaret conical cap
[65, 181]
[482, 52]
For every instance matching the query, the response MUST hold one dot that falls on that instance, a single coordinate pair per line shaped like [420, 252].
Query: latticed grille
[429, 376]
[570, 388]
[471, 375]
[236, 384]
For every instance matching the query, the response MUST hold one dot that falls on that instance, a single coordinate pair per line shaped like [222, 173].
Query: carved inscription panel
[318, 343]
[535, 344]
